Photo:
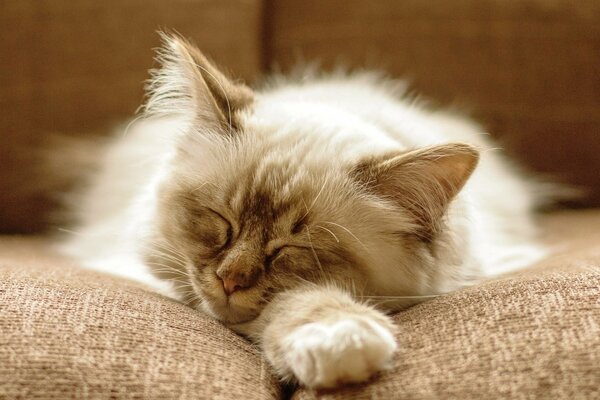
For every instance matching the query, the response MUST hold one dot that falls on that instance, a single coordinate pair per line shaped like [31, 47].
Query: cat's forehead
[273, 195]
[266, 195]
[266, 177]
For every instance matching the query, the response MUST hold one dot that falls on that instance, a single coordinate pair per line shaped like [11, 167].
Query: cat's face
[241, 233]
[250, 207]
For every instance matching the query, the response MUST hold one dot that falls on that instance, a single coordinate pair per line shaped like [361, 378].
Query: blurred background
[529, 70]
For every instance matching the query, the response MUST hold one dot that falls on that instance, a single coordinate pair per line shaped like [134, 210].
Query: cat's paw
[325, 355]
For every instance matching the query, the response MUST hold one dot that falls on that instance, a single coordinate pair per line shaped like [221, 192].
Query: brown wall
[530, 69]
[77, 66]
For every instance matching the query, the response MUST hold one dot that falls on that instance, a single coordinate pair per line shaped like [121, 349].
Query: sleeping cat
[301, 213]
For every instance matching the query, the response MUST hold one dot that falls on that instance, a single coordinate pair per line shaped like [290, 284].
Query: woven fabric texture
[535, 335]
[70, 333]
[67, 332]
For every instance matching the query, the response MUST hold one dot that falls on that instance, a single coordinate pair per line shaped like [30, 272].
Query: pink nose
[237, 278]
[230, 286]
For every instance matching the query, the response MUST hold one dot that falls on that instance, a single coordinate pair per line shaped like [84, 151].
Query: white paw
[324, 355]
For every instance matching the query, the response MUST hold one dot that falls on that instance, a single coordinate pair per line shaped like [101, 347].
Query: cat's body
[279, 212]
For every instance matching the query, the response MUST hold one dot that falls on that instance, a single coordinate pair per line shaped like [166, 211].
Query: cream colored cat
[300, 213]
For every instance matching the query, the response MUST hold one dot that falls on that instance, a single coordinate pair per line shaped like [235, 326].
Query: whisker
[315, 199]
[426, 296]
[328, 230]
[167, 268]
[199, 187]
[313, 249]
[349, 232]
[180, 282]
[165, 245]
[192, 299]
[169, 250]
[171, 257]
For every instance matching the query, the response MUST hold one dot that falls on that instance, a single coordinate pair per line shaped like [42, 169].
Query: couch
[527, 69]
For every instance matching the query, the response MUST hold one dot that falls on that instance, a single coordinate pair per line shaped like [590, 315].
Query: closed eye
[226, 239]
[272, 256]
[299, 226]
[229, 235]
[277, 252]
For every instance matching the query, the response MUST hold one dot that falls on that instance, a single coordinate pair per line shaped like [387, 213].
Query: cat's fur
[316, 203]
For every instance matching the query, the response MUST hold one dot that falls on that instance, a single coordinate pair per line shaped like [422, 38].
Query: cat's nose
[230, 286]
[237, 280]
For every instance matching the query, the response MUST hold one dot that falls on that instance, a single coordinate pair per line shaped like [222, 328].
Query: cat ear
[422, 182]
[189, 85]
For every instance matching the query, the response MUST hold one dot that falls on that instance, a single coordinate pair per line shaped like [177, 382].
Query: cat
[302, 213]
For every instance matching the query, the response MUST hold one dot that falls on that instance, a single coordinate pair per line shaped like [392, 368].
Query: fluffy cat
[301, 213]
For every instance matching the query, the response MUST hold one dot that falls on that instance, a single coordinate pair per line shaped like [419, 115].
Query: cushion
[528, 69]
[76, 68]
[532, 335]
[67, 333]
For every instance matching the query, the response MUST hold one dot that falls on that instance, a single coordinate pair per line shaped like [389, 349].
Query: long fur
[296, 213]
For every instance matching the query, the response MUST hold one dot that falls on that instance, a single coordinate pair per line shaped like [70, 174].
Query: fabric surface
[527, 69]
[534, 335]
[68, 333]
[78, 67]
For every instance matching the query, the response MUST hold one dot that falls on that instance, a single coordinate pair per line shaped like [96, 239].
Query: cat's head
[254, 202]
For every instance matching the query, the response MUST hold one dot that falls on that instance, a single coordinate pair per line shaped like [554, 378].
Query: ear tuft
[422, 182]
[187, 84]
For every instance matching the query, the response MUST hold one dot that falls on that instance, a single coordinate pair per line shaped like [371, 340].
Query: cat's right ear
[421, 182]
[188, 85]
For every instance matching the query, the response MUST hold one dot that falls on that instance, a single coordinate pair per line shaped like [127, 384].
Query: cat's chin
[229, 314]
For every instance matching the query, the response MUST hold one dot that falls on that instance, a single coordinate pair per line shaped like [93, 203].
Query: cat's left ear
[187, 84]
[421, 182]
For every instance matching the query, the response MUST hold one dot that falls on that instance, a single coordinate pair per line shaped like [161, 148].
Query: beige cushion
[535, 335]
[70, 333]
[66, 332]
